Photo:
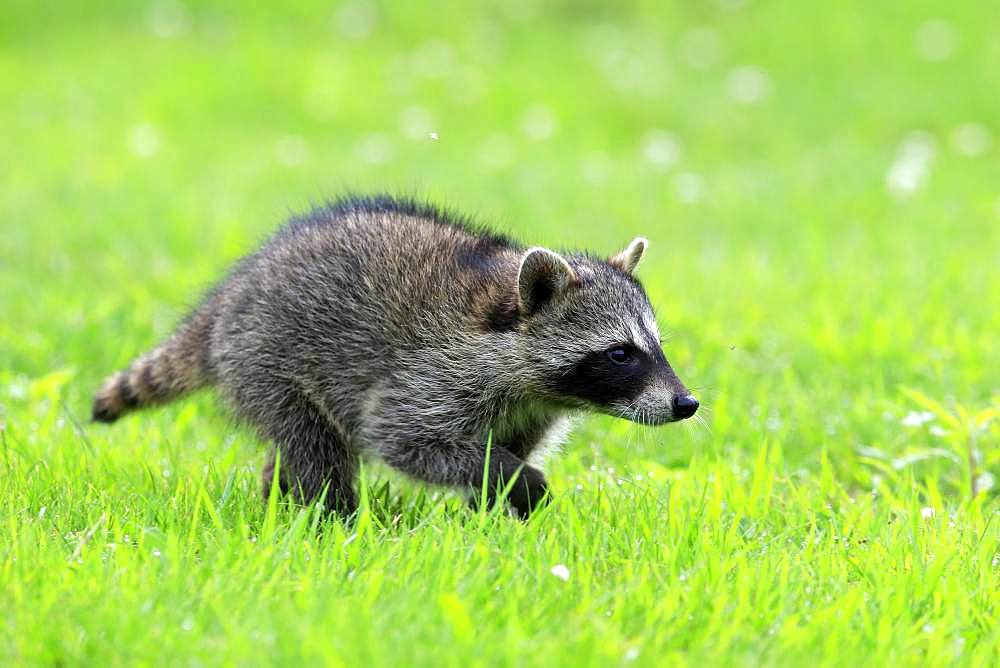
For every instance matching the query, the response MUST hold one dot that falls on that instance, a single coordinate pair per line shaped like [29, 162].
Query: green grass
[817, 313]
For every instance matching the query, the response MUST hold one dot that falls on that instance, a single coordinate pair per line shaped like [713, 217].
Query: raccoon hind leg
[311, 457]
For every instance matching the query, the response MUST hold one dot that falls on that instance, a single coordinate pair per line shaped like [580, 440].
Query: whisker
[704, 423]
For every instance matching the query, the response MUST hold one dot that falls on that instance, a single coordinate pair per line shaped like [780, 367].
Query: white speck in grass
[156, 553]
[927, 513]
[167, 18]
[996, 559]
[375, 149]
[496, 152]
[416, 122]
[41, 512]
[984, 482]
[291, 150]
[689, 187]
[660, 149]
[144, 140]
[916, 418]
[935, 430]
[433, 136]
[701, 48]
[911, 167]
[928, 628]
[936, 40]
[539, 122]
[561, 572]
[970, 139]
[187, 624]
[579, 487]
[631, 654]
[748, 84]
[355, 20]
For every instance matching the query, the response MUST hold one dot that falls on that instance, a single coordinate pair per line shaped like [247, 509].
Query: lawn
[819, 184]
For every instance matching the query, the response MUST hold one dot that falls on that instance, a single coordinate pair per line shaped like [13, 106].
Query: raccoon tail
[176, 367]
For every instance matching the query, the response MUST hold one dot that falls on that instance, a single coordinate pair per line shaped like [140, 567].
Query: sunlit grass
[819, 189]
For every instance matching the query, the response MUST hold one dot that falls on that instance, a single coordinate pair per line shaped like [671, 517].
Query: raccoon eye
[619, 355]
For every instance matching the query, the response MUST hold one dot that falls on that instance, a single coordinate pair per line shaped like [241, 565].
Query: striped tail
[171, 370]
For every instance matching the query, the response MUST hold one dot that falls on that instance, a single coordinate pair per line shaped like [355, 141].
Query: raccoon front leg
[435, 453]
[529, 488]
[313, 458]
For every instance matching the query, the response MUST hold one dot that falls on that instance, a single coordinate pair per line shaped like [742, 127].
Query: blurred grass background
[819, 185]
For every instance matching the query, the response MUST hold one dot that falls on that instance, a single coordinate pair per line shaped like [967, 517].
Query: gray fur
[383, 327]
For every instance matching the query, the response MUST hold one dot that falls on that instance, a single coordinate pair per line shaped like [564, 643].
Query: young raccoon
[386, 327]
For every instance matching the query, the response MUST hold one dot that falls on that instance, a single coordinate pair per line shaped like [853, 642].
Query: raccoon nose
[685, 406]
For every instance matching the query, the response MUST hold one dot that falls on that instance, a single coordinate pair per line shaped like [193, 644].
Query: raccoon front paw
[528, 492]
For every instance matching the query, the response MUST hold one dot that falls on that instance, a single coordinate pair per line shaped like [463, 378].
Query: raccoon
[387, 327]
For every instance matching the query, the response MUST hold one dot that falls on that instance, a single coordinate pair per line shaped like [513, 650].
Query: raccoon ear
[629, 258]
[543, 275]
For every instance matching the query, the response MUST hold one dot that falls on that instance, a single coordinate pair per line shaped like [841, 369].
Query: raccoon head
[590, 337]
